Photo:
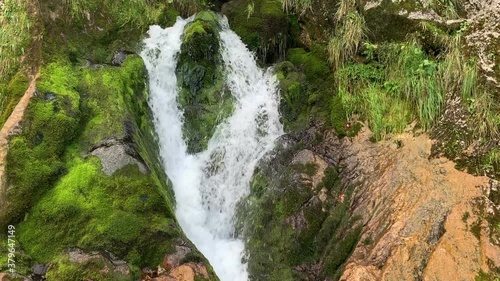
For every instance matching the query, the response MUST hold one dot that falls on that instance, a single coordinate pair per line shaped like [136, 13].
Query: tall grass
[15, 39]
[415, 86]
[417, 80]
[129, 12]
[122, 12]
[384, 113]
[485, 115]
[15, 25]
[460, 75]
[299, 6]
[344, 8]
[348, 36]
[448, 9]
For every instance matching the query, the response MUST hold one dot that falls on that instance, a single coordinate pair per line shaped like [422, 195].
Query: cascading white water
[208, 185]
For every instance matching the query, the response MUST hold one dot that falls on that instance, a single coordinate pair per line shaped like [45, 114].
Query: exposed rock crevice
[117, 153]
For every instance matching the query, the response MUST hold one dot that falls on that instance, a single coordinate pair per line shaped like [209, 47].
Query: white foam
[206, 198]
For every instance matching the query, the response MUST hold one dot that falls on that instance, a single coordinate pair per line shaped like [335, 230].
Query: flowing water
[208, 185]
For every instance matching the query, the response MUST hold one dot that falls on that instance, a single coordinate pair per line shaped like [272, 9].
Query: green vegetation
[62, 197]
[491, 162]
[122, 12]
[124, 214]
[265, 31]
[35, 157]
[14, 36]
[490, 276]
[15, 39]
[11, 94]
[402, 83]
[79, 34]
[93, 268]
[203, 95]
[298, 6]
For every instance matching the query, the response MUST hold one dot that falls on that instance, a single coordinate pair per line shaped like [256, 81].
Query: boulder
[203, 96]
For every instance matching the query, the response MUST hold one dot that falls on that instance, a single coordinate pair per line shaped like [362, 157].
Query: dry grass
[348, 36]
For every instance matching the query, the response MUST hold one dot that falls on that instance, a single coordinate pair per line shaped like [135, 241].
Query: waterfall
[208, 185]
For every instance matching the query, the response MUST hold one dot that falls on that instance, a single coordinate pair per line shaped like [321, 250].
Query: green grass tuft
[15, 35]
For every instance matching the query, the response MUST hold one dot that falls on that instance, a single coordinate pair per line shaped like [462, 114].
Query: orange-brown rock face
[417, 214]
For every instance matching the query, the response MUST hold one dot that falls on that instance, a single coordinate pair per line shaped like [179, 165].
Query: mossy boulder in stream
[203, 95]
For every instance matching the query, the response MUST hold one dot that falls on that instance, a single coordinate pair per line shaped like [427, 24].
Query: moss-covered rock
[203, 95]
[35, 158]
[77, 265]
[11, 93]
[59, 195]
[296, 221]
[307, 88]
[261, 24]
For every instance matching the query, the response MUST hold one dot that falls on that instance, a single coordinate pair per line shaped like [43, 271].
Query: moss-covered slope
[58, 193]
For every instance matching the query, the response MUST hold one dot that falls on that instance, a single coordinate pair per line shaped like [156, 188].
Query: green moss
[64, 269]
[62, 197]
[314, 66]
[34, 160]
[11, 94]
[264, 31]
[108, 92]
[203, 96]
[122, 214]
[23, 261]
[305, 93]
[208, 16]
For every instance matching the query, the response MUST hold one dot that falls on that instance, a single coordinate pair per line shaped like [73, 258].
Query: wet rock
[203, 95]
[116, 154]
[40, 269]
[484, 37]
[308, 201]
[47, 97]
[79, 256]
[411, 208]
[105, 265]
[297, 221]
[173, 260]
[186, 272]
[119, 57]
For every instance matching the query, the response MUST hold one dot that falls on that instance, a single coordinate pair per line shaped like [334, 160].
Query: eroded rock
[413, 215]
